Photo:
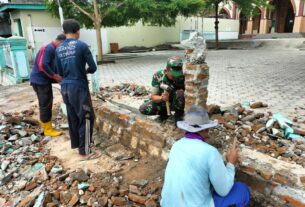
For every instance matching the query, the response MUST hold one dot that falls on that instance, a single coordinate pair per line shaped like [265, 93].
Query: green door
[19, 28]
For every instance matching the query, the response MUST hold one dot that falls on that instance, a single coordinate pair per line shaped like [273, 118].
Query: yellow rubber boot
[48, 129]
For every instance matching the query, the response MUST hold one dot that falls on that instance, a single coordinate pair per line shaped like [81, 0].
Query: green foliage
[152, 12]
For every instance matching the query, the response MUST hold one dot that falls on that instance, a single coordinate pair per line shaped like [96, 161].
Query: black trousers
[45, 100]
[75, 98]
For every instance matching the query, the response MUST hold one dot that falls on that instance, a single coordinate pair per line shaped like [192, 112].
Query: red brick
[124, 116]
[190, 99]
[292, 201]
[280, 179]
[213, 109]
[230, 117]
[219, 118]
[27, 200]
[151, 203]
[123, 191]
[241, 110]
[51, 205]
[189, 51]
[248, 169]
[265, 175]
[56, 194]
[191, 84]
[229, 126]
[134, 189]
[118, 201]
[49, 166]
[302, 180]
[188, 76]
[255, 183]
[156, 140]
[204, 67]
[73, 200]
[256, 127]
[91, 188]
[190, 66]
[137, 198]
[201, 76]
[203, 91]
[103, 201]
[281, 150]
[30, 186]
[189, 91]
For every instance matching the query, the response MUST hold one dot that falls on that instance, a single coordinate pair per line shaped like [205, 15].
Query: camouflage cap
[175, 64]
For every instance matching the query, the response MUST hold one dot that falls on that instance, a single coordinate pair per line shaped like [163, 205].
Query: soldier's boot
[178, 116]
[162, 116]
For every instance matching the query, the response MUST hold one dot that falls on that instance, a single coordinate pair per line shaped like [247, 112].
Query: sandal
[92, 156]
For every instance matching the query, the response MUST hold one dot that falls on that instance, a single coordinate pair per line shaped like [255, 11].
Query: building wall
[39, 18]
[266, 22]
[228, 28]
[29, 20]
[148, 36]
[225, 25]
[45, 27]
[139, 35]
[14, 15]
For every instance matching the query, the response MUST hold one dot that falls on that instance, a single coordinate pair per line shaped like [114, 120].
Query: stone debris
[257, 105]
[268, 133]
[29, 176]
[123, 89]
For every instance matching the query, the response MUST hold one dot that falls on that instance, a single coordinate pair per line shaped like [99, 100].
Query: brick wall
[273, 182]
[144, 136]
[196, 85]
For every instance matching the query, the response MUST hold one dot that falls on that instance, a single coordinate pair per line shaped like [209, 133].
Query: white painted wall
[140, 35]
[89, 36]
[228, 28]
[44, 35]
[148, 36]
[39, 27]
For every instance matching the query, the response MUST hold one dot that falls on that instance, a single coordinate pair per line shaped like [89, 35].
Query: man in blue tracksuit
[71, 58]
[42, 76]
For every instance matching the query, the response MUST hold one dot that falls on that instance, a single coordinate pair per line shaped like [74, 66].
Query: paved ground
[275, 77]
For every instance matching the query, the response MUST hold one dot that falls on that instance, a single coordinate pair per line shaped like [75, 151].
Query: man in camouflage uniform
[167, 85]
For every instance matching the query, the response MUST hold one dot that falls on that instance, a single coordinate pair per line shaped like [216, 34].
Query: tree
[111, 13]
[248, 7]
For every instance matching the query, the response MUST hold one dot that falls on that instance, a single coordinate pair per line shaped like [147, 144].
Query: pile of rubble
[268, 133]
[123, 89]
[30, 176]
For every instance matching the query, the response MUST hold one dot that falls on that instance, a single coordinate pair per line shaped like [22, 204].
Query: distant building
[26, 17]
[288, 16]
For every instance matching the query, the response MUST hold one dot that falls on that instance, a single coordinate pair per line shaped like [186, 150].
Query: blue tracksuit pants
[239, 196]
[75, 98]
